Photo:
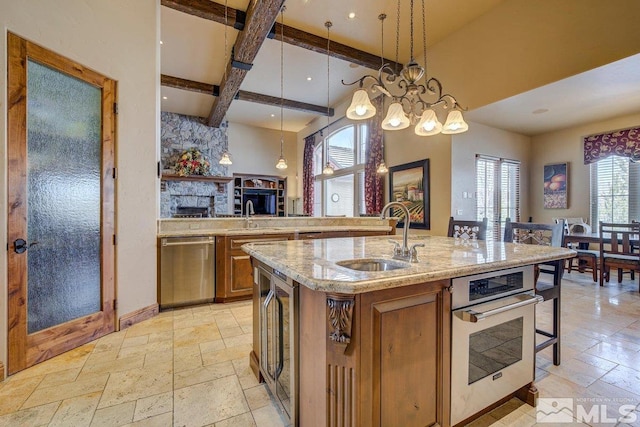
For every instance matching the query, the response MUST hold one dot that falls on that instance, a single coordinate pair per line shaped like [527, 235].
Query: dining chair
[549, 289]
[471, 230]
[588, 260]
[617, 250]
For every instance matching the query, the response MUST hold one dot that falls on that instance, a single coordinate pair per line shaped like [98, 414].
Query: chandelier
[412, 102]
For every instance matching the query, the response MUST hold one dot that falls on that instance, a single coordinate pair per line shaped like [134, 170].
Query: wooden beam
[207, 9]
[243, 95]
[261, 16]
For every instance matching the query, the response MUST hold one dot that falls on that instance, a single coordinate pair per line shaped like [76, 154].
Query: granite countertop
[312, 263]
[241, 231]
[268, 225]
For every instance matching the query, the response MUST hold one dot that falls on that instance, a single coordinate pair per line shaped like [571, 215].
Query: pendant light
[282, 162]
[328, 169]
[225, 159]
[382, 167]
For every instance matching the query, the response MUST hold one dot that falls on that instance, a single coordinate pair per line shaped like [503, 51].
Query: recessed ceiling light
[273, 115]
[540, 110]
[309, 78]
[160, 41]
[352, 15]
[164, 97]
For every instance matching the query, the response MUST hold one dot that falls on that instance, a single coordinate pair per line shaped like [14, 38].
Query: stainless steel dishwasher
[187, 271]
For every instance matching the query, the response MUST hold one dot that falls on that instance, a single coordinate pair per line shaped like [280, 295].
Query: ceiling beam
[261, 15]
[243, 95]
[207, 9]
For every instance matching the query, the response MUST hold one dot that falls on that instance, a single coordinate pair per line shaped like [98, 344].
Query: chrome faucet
[248, 210]
[405, 252]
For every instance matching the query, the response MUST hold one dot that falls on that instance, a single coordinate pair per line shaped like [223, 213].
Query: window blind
[497, 192]
[615, 190]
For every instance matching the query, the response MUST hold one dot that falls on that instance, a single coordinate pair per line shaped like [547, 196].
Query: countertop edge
[270, 230]
[399, 278]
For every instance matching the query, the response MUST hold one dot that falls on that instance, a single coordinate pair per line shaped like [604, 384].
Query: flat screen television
[264, 202]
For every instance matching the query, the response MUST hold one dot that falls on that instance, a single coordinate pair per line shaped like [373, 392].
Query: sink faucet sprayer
[404, 253]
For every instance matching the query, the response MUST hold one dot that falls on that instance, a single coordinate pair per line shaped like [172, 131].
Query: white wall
[118, 38]
[567, 146]
[481, 139]
[522, 44]
[256, 151]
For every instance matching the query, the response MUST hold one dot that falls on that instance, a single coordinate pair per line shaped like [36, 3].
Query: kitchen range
[345, 335]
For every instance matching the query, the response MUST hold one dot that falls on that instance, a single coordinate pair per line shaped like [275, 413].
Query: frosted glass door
[61, 198]
[63, 187]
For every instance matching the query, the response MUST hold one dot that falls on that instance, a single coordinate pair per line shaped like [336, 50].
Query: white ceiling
[599, 94]
[193, 48]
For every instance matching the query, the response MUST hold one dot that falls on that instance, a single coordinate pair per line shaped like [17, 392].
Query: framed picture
[556, 183]
[409, 185]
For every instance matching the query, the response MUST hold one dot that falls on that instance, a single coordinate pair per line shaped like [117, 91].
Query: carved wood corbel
[340, 317]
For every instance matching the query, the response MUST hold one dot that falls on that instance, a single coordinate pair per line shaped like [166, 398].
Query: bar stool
[548, 235]
[474, 230]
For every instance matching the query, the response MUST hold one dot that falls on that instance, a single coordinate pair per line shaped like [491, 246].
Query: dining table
[584, 239]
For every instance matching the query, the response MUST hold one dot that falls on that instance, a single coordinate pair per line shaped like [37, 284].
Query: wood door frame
[23, 349]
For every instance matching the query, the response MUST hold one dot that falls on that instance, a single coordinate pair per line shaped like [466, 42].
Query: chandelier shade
[396, 118]
[361, 107]
[416, 98]
[428, 124]
[455, 123]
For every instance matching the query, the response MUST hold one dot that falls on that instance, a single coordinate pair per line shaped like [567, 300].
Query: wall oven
[493, 338]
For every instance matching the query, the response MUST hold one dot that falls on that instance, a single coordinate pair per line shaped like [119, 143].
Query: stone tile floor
[190, 367]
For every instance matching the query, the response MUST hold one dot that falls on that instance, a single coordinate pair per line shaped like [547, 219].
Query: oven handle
[474, 316]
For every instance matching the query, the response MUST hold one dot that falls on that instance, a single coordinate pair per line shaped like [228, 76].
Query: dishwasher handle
[475, 316]
[209, 241]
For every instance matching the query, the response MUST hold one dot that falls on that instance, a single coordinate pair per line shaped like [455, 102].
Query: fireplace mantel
[207, 178]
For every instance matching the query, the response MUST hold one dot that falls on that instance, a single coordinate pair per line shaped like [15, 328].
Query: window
[498, 192]
[341, 194]
[615, 190]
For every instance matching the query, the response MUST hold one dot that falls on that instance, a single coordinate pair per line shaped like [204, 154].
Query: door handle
[20, 246]
[526, 299]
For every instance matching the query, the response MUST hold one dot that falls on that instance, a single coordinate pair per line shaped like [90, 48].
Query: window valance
[625, 143]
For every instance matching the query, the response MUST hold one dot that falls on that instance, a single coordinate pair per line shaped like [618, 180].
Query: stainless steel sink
[368, 264]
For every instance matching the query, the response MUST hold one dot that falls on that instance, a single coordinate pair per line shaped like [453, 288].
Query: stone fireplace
[179, 133]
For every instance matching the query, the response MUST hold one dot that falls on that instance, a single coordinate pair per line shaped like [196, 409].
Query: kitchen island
[344, 347]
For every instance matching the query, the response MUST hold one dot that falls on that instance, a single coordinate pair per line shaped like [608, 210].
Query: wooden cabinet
[234, 279]
[376, 359]
[268, 193]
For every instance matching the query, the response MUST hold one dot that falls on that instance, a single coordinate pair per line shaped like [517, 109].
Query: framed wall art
[409, 185]
[556, 184]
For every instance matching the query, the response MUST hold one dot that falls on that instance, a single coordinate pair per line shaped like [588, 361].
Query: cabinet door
[404, 357]
[240, 274]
